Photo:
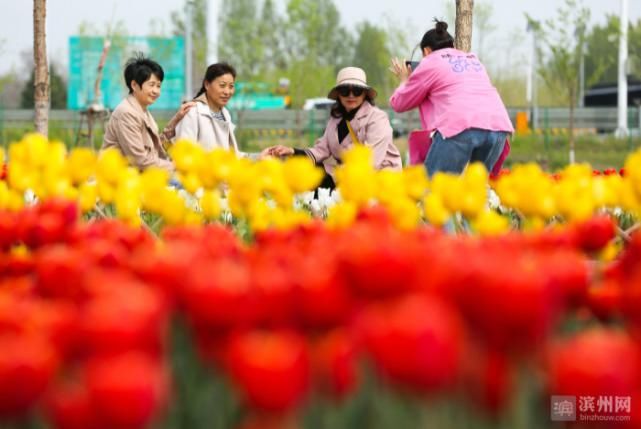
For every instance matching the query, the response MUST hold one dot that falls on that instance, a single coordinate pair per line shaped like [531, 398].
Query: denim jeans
[451, 155]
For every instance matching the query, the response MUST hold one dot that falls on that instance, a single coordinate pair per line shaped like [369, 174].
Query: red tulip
[271, 369]
[59, 273]
[48, 222]
[378, 263]
[489, 380]
[605, 300]
[567, 272]
[68, 406]
[509, 301]
[334, 363]
[127, 391]
[630, 290]
[595, 362]
[416, 342]
[114, 231]
[323, 298]
[8, 229]
[594, 234]
[217, 294]
[27, 366]
[169, 267]
[132, 318]
[272, 285]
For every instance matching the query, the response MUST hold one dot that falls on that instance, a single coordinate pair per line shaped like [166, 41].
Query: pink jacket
[453, 93]
[372, 128]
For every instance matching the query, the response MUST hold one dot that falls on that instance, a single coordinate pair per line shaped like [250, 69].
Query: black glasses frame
[344, 90]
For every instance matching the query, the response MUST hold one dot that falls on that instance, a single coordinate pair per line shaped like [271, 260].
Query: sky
[64, 18]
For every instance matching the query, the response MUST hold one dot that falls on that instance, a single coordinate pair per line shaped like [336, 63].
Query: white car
[318, 104]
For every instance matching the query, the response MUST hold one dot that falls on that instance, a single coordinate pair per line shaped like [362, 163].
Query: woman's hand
[278, 150]
[184, 108]
[400, 69]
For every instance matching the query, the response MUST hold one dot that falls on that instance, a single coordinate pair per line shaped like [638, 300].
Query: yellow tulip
[187, 155]
[342, 215]
[173, 210]
[260, 215]
[15, 200]
[490, 223]
[87, 196]
[210, 204]
[416, 181]
[4, 194]
[405, 213]
[110, 166]
[434, 210]
[390, 186]
[37, 148]
[81, 165]
[301, 174]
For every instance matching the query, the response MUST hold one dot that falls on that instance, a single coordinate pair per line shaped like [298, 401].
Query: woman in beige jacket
[131, 128]
[210, 123]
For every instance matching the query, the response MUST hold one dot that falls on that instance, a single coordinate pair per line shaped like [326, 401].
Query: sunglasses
[344, 90]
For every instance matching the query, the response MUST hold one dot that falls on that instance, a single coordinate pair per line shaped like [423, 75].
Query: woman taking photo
[210, 123]
[353, 120]
[458, 105]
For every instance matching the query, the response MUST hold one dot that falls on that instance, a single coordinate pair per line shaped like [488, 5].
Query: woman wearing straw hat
[353, 120]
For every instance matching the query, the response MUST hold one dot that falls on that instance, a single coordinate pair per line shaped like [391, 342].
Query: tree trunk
[41, 83]
[463, 36]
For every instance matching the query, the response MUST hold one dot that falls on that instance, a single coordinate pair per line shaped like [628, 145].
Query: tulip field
[237, 300]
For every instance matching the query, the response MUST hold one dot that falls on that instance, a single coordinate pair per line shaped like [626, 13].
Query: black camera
[412, 64]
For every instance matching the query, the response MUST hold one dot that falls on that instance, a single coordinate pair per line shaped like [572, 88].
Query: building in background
[84, 57]
[606, 94]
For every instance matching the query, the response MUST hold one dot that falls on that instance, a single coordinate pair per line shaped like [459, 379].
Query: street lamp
[531, 87]
[189, 14]
[211, 13]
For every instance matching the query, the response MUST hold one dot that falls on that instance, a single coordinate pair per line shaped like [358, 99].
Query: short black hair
[140, 68]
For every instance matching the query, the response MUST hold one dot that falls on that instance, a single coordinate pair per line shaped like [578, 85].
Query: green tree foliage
[57, 85]
[371, 53]
[563, 43]
[483, 26]
[601, 51]
[316, 46]
[238, 37]
[314, 31]
[270, 36]
[634, 49]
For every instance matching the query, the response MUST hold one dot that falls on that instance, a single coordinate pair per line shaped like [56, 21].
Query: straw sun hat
[353, 76]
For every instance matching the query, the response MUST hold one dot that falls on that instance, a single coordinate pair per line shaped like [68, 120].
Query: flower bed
[363, 316]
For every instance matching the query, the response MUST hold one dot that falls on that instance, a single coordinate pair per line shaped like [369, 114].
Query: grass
[552, 152]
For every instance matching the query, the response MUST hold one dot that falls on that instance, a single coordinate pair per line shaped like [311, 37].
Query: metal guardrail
[599, 118]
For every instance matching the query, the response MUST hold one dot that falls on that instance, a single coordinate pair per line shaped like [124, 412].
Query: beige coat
[198, 125]
[133, 131]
